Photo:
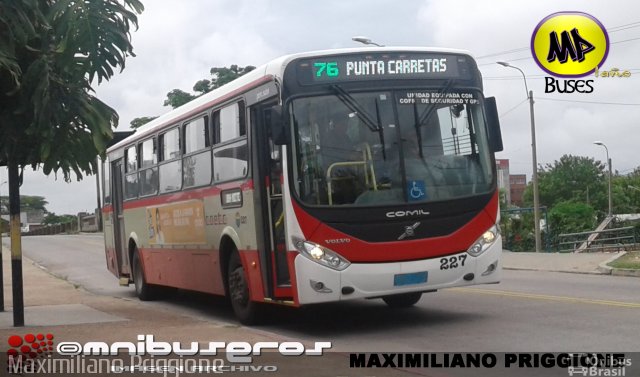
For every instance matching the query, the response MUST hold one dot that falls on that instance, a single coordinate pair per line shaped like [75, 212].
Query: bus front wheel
[145, 291]
[403, 300]
[245, 310]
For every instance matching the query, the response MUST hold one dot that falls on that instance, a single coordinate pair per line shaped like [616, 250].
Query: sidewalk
[71, 314]
[583, 263]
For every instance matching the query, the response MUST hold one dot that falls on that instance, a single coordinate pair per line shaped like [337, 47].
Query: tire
[403, 300]
[247, 311]
[145, 292]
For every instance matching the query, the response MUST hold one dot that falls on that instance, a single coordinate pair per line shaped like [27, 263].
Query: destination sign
[382, 67]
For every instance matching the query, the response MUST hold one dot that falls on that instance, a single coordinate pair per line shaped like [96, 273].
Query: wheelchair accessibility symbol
[417, 190]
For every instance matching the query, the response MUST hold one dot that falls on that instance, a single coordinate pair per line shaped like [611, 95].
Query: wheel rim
[238, 289]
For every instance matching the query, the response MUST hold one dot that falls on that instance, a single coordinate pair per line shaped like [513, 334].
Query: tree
[50, 53]
[33, 203]
[571, 178]
[27, 203]
[223, 75]
[572, 217]
[53, 219]
[202, 86]
[141, 121]
[219, 76]
[177, 98]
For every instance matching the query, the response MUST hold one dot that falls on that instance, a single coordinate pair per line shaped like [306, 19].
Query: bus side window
[197, 160]
[230, 153]
[131, 179]
[148, 167]
[170, 168]
[106, 177]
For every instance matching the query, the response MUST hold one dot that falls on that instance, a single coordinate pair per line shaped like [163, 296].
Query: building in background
[517, 182]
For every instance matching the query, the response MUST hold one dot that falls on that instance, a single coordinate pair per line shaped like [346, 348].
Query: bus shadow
[359, 316]
[324, 320]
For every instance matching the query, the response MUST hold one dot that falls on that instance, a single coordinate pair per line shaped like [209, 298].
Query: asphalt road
[528, 312]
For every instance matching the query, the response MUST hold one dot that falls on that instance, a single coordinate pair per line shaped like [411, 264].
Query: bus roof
[271, 70]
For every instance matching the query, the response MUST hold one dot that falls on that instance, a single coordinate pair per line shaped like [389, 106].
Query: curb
[598, 272]
[608, 270]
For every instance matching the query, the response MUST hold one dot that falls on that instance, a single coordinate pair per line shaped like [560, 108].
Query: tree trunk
[16, 244]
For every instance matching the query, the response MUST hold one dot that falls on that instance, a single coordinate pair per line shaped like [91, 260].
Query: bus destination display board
[381, 67]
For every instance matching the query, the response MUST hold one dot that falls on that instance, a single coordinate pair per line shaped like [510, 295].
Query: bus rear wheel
[246, 311]
[403, 300]
[145, 291]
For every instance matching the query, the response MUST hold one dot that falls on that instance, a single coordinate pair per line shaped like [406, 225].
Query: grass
[630, 260]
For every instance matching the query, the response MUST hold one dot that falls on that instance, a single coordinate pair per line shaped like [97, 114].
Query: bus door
[117, 174]
[269, 206]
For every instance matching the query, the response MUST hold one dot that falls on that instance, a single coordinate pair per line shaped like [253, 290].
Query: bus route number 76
[449, 263]
[329, 68]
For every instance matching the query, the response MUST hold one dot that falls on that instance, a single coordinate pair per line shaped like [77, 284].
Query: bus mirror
[493, 124]
[276, 124]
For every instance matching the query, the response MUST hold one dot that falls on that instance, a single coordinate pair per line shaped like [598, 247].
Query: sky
[176, 45]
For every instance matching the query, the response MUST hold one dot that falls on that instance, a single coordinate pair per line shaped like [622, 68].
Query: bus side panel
[109, 241]
[183, 268]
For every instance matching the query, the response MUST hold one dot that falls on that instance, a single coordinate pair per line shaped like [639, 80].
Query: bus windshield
[390, 147]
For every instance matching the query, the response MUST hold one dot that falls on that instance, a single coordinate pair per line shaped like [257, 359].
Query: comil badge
[570, 44]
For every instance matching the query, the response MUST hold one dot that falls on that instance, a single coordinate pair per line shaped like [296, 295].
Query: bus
[317, 177]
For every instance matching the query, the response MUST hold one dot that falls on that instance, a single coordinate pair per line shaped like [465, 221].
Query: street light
[609, 162]
[366, 41]
[534, 162]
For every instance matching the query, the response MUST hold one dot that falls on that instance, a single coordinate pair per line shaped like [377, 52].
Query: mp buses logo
[570, 44]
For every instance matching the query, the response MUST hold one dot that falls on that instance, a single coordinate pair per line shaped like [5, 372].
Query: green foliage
[50, 53]
[626, 193]
[32, 203]
[224, 75]
[571, 178]
[27, 203]
[53, 219]
[141, 121]
[219, 76]
[177, 98]
[572, 217]
[202, 86]
[517, 232]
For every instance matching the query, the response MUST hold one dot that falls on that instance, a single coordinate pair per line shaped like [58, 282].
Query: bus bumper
[317, 283]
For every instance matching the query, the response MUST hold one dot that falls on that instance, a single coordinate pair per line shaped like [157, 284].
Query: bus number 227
[452, 262]
[329, 68]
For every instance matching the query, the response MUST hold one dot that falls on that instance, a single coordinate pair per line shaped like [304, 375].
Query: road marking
[548, 297]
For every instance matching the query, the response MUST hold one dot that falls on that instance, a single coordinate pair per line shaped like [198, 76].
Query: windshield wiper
[426, 115]
[362, 114]
[354, 106]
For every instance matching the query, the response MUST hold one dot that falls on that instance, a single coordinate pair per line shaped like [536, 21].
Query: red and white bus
[318, 177]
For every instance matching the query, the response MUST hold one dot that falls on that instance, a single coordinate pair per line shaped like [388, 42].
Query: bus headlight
[485, 241]
[320, 254]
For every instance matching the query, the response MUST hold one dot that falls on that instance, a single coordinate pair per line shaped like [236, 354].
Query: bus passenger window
[132, 159]
[229, 123]
[170, 169]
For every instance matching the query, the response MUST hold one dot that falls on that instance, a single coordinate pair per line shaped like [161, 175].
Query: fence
[616, 239]
[53, 229]
[88, 223]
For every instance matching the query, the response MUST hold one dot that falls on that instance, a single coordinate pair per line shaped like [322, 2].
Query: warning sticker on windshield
[427, 98]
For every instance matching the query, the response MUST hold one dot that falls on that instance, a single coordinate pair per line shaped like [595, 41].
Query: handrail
[623, 237]
[367, 159]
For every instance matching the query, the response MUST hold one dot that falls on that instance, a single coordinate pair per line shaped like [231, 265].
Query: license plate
[410, 279]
